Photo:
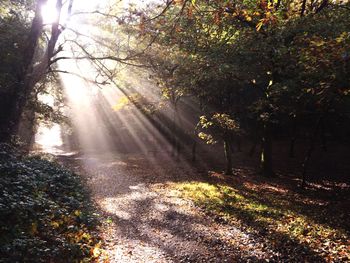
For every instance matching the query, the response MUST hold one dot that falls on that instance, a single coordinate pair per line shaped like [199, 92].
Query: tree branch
[77, 75]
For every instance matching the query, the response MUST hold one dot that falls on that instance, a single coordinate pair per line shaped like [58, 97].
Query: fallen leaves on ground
[279, 218]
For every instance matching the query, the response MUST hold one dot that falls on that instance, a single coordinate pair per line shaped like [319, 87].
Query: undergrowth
[45, 212]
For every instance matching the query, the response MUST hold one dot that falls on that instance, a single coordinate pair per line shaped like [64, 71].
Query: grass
[278, 218]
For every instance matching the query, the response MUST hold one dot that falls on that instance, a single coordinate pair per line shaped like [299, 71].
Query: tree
[31, 68]
[258, 62]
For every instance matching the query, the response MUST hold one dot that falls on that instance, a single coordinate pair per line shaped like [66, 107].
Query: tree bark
[266, 153]
[194, 151]
[27, 128]
[255, 143]
[310, 151]
[294, 137]
[30, 75]
[228, 156]
[312, 142]
[10, 121]
[194, 145]
[176, 148]
[239, 144]
[324, 137]
[292, 148]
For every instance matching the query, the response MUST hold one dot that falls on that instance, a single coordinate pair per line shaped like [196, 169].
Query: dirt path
[143, 222]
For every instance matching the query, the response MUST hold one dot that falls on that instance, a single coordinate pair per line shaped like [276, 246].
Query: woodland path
[144, 222]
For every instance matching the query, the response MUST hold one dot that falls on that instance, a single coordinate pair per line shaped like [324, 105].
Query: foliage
[45, 214]
[14, 30]
[268, 65]
[219, 126]
[138, 100]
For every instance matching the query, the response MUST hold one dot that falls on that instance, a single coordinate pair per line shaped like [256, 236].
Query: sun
[49, 12]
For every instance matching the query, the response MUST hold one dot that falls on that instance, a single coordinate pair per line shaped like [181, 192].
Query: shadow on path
[145, 225]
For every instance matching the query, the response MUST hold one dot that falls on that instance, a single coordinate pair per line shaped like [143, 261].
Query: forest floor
[155, 209]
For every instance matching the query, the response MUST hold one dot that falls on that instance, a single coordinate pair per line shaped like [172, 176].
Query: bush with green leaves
[45, 213]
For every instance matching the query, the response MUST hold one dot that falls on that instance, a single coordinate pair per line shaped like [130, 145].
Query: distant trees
[275, 68]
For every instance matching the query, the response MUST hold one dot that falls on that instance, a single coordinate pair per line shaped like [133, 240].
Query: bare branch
[167, 6]
[77, 75]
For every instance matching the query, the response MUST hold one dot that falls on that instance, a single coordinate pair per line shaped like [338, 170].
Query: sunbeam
[49, 12]
[49, 139]
[174, 131]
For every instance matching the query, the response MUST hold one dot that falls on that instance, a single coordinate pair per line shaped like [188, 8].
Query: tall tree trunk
[255, 143]
[239, 144]
[312, 141]
[292, 148]
[266, 153]
[310, 151]
[294, 137]
[323, 136]
[27, 128]
[228, 155]
[179, 130]
[176, 146]
[29, 74]
[9, 123]
[194, 151]
[194, 145]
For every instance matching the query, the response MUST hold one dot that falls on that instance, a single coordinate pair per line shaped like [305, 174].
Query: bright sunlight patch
[280, 222]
